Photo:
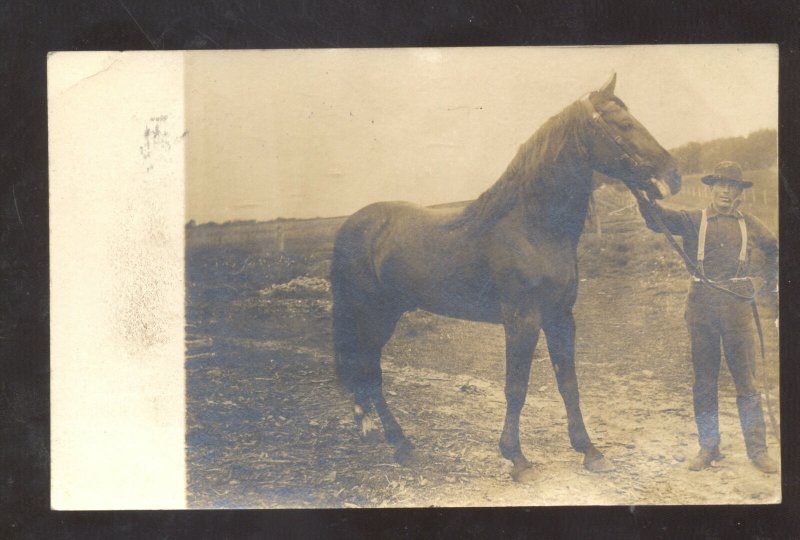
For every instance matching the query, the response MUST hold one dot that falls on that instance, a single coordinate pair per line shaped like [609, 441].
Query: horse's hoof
[597, 464]
[404, 455]
[368, 429]
[523, 472]
[524, 476]
[371, 436]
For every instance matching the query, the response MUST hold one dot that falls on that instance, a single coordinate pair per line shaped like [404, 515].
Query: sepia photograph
[456, 277]
[343, 350]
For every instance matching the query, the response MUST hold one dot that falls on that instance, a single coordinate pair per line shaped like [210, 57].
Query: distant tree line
[759, 150]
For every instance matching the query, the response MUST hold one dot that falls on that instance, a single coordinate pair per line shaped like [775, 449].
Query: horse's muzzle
[661, 188]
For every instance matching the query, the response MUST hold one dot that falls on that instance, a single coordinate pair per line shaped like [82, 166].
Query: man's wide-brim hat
[727, 171]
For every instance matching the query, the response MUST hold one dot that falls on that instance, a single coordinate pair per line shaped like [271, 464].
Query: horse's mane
[534, 160]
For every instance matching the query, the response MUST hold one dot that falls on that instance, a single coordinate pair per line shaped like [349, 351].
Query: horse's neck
[548, 183]
[559, 201]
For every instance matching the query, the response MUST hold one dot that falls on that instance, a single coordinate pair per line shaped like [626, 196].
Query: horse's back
[383, 219]
[412, 255]
[360, 235]
[383, 212]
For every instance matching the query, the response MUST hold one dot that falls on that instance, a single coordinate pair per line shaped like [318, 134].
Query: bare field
[269, 426]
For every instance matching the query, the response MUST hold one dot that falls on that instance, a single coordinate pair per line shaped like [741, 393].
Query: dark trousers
[714, 317]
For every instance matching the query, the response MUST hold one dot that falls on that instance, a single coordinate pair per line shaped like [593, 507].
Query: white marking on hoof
[367, 426]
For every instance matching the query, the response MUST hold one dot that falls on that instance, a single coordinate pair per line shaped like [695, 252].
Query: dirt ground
[269, 426]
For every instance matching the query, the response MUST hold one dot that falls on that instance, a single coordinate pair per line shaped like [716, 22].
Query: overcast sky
[324, 132]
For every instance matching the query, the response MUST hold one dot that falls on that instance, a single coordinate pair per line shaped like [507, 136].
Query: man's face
[724, 196]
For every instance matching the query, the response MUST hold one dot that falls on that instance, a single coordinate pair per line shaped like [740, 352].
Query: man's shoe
[704, 458]
[764, 463]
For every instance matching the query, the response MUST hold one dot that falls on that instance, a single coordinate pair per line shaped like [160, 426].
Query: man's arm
[677, 222]
[767, 243]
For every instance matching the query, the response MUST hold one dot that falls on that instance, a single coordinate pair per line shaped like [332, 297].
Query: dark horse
[510, 257]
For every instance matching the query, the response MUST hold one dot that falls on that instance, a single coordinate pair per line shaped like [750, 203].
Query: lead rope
[773, 423]
[699, 274]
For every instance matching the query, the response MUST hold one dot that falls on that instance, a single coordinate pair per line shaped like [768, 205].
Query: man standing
[718, 240]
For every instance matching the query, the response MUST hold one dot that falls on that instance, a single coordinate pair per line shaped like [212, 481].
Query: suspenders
[701, 242]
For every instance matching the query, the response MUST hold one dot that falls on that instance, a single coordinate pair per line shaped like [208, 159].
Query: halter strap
[701, 242]
[598, 120]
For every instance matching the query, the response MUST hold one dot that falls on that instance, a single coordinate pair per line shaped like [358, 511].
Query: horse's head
[623, 148]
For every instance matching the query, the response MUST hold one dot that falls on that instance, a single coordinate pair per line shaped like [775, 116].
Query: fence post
[594, 214]
[280, 238]
[598, 225]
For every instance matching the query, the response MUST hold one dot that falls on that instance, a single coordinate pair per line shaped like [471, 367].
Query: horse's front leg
[559, 328]
[522, 334]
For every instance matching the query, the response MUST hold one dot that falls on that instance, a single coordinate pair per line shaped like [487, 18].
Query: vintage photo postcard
[502, 276]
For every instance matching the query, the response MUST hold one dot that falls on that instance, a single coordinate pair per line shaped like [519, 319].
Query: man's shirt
[723, 241]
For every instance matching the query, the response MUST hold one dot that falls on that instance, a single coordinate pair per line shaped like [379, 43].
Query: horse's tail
[345, 332]
[345, 343]
[355, 289]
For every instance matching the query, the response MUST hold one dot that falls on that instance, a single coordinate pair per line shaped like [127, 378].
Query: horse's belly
[453, 294]
[459, 307]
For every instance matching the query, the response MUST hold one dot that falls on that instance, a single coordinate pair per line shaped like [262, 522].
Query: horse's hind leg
[559, 328]
[375, 329]
[362, 410]
[391, 428]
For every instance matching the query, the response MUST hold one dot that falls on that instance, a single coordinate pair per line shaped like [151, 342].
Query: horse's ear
[608, 88]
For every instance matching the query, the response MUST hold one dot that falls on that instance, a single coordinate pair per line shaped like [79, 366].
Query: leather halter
[597, 119]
